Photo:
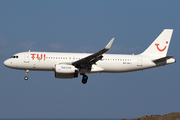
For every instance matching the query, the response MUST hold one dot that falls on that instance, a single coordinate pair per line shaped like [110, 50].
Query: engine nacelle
[65, 71]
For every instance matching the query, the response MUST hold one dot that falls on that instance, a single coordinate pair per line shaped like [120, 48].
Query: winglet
[109, 44]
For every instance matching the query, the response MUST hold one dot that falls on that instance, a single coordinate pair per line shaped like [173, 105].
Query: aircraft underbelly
[117, 67]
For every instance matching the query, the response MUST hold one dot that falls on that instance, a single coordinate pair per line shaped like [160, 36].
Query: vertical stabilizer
[160, 45]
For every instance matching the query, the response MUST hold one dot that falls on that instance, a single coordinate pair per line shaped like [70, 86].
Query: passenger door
[139, 61]
[26, 58]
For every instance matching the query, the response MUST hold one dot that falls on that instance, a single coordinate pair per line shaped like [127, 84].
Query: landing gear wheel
[26, 78]
[84, 79]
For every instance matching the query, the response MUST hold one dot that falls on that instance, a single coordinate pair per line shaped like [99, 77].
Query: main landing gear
[84, 78]
[26, 77]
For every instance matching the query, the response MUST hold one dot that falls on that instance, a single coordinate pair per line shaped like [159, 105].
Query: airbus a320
[70, 65]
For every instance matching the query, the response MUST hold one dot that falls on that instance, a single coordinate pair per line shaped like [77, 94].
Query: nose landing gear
[26, 77]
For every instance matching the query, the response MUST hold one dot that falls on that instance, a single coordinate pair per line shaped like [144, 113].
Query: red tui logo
[161, 50]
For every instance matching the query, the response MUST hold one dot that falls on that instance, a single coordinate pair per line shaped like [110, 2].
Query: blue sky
[87, 26]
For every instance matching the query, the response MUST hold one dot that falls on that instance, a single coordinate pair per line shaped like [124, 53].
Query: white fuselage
[110, 63]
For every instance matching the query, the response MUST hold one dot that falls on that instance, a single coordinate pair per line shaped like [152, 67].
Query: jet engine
[65, 71]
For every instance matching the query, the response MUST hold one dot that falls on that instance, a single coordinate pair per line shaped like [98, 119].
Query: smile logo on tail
[161, 50]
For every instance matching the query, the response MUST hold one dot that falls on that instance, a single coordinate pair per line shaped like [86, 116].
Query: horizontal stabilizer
[162, 59]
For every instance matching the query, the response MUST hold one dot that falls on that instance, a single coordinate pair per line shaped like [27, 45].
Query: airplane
[69, 65]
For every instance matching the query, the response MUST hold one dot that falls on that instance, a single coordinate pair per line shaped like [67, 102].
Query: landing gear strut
[84, 79]
[26, 77]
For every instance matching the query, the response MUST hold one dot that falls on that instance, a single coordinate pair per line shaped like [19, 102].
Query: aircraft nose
[6, 63]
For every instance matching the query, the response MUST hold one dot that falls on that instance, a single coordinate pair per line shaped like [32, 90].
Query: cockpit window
[14, 57]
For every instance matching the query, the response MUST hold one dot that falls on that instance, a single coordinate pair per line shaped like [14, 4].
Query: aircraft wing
[92, 59]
